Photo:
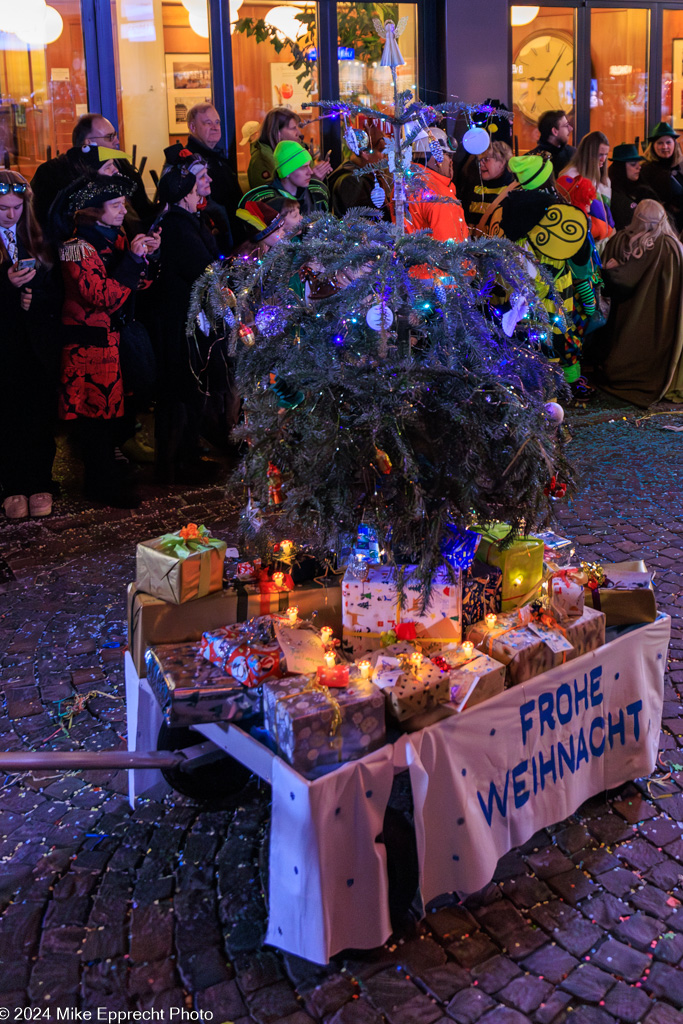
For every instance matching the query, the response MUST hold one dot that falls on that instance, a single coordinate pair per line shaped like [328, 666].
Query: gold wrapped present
[623, 591]
[181, 566]
[521, 563]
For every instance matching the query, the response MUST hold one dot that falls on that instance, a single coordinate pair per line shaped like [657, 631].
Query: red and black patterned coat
[91, 383]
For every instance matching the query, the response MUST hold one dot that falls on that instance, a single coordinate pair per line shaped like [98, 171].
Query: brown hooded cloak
[645, 324]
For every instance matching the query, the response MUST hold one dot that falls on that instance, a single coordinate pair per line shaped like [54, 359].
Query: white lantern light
[523, 15]
[42, 29]
[21, 17]
[199, 22]
[284, 21]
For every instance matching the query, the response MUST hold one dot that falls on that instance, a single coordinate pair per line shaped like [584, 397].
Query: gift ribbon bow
[315, 686]
[188, 541]
[595, 573]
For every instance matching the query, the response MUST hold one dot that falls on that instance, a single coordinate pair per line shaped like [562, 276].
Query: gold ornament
[247, 335]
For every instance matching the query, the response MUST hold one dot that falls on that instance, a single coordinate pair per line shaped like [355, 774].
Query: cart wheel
[208, 783]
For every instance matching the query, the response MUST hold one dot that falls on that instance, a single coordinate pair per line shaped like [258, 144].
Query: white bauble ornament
[378, 195]
[476, 141]
[379, 317]
[554, 412]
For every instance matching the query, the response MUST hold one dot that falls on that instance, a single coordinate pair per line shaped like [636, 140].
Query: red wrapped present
[248, 652]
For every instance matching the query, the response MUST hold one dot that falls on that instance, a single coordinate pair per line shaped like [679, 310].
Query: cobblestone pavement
[161, 908]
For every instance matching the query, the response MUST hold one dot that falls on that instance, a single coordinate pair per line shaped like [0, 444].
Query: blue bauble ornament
[459, 546]
[270, 321]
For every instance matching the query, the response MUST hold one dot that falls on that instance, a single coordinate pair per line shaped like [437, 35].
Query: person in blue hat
[627, 188]
[663, 170]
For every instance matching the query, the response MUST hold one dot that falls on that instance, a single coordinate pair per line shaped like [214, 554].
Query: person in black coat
[662, 171]
[204, 124]
[627, 189]
[29, 355]
[555, 129]
[91, 133]
[186, 369]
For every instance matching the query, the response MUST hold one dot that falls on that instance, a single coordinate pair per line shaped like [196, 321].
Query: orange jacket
[446, 220]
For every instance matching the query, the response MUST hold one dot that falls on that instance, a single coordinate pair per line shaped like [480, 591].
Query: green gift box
[520, 562]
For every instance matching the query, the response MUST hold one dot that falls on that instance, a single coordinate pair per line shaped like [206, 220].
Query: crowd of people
[96, 276]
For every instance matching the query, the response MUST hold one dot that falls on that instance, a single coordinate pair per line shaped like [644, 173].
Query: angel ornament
[390, 33]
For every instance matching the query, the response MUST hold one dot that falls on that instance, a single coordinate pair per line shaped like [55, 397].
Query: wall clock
[543, 74]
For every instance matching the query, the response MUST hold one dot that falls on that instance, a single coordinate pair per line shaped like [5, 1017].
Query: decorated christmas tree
[395, 392]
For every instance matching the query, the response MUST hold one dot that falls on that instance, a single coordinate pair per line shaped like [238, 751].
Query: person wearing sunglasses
[28, 355]
[91, 133]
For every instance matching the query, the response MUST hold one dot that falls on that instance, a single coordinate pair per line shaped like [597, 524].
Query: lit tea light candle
[330, 659]
[518, 580]
[326, 634]
[415, 660]
[286, 547]
[278, 578]
[365, 669]
[293, 614]
[490, 620]
[468, 648]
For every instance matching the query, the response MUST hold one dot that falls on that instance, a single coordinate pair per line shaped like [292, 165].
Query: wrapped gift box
[371, 607]
[527, 651]
[565, 597]
[482, 592]
[408, 691]
[476, 681]
[521, 564]
[152, 621]
[628, 596]
[191, 691]
[181, 571]
[246, 651]
[314, 726]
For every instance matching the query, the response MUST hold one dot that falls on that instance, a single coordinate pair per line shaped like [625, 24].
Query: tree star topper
[389, 32]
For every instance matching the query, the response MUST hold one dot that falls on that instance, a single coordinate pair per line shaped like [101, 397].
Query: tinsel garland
[456, 405]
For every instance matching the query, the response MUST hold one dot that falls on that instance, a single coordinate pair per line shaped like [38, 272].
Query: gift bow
[595, 573]
[188, 541]
[315, 686]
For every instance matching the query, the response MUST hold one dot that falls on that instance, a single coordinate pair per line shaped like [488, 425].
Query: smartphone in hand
[27, 264]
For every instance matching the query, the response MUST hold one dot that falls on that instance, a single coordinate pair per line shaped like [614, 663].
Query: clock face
[543, 74]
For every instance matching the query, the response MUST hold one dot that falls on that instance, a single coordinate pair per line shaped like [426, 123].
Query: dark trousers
[27, 444]
[96, 440]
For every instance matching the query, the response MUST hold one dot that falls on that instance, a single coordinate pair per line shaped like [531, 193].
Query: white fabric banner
[483, 782]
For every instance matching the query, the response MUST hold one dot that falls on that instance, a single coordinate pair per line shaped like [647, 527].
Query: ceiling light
[523, 15]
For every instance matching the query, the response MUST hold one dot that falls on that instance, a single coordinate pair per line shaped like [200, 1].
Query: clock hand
[547, 78]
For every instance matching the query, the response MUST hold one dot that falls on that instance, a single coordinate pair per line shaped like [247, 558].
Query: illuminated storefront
[144, 63]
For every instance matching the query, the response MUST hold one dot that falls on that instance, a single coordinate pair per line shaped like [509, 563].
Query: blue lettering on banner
[552, 710]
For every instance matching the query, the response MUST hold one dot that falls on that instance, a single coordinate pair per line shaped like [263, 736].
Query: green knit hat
[531, 170]
[290, 156]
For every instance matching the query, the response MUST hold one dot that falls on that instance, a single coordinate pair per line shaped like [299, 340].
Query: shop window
[42, 80]
[163, 69]
[619, 72]
[361, 78]
[275, 63]
[543, 68]
[672, 68]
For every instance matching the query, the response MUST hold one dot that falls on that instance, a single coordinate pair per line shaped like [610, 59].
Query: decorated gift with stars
[482, 591]
[530, 643]
[411, 683]
[191, 691]
[520, 561]
[313, 725]
[181, 566]
[372, 606]
[565, 595]
[623, 591]
[247, 651]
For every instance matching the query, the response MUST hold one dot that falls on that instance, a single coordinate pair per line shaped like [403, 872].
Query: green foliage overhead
[455, 404]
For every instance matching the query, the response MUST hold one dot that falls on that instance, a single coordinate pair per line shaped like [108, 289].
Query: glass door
[619, 54]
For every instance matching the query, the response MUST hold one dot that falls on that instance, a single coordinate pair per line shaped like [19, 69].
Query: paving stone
[53, 977]
[257, 969]
[652, 901]
[224, 1001]
[624, 961]
[549, 1011]
[639, 930]
[495, 974]
[627, 1003]
[473, 950]
[468, 1006]
[508, 926]
[572, 886]
[551, 962]
[588, 983]
[665, 982]
[326, 998]
[418, 1010]
[526, 891]
[669, 948]
[591, 1015]
[663, 1014]
[640, 854]
[420, 955]
[526, 993]
[549, 862]
[450, 923]
[620, 881]
[443, 982]
[504, 1015]
[359, 1011]
[606, 910]
[388, 989]
[151, 933]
